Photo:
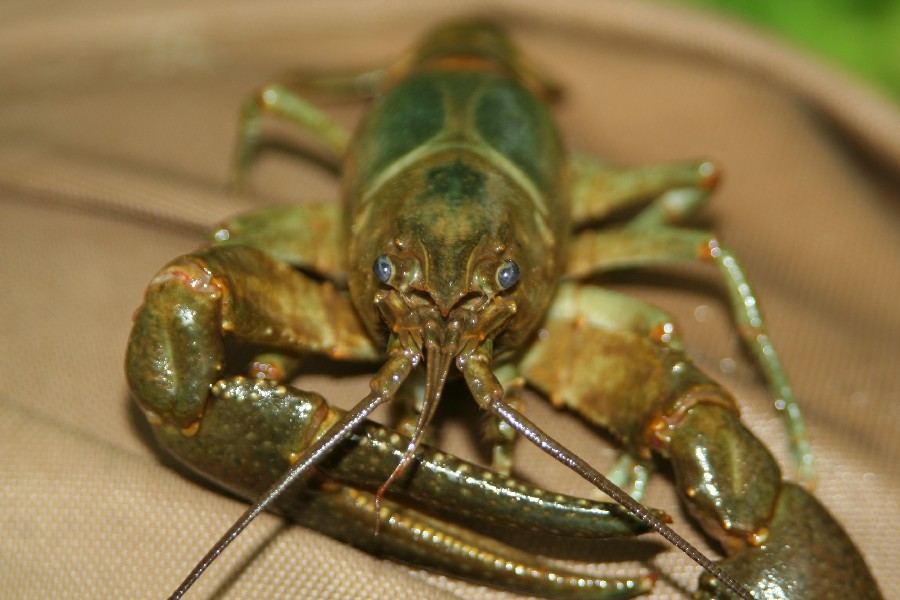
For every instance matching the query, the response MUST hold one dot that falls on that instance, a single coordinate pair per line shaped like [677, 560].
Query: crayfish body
[466, 230]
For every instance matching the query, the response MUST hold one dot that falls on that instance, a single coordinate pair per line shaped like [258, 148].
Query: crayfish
[466, 243]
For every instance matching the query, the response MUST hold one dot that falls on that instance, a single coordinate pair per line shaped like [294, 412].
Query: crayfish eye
[508, 274]
[382, 268]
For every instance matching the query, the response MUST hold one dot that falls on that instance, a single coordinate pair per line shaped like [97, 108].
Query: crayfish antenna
[439, 358]
[334, 436]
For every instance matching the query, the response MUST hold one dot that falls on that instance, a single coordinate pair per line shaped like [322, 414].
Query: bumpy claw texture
[806, 556]
[176, 349]
[252, 429]
[651, 396]
[415, 537]
[728, 477]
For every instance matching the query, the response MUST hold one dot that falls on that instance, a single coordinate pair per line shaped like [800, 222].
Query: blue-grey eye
[382, 268]
[508, 274]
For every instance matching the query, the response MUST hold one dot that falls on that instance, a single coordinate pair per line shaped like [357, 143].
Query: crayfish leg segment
[176, 349]
[652, 397]
[632, 475]
[278, 101]
[730, 478]
[177, 345]
[287, 420]
[679, 190]
[593, 252]
[812, 550]
[306, 236]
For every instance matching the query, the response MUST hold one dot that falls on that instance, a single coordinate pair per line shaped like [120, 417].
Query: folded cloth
[117, 126]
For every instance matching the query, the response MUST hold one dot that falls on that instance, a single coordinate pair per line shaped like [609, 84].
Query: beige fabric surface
[116, 125]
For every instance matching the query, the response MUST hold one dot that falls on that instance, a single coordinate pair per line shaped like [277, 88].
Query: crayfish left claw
[806, 555]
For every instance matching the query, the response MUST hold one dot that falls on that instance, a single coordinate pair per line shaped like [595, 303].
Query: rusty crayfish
[466, 240]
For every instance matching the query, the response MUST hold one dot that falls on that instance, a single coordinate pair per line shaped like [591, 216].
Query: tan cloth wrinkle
[116, 130]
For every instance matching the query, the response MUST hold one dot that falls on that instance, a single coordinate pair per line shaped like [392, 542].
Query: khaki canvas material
[116, 127]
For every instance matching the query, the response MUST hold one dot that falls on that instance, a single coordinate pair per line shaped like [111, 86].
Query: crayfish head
[453, 233]
[446, 289]
[441, 336]
[421, 319]
[439, 255]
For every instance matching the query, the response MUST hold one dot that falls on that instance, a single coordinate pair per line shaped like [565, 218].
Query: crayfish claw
[807, 555]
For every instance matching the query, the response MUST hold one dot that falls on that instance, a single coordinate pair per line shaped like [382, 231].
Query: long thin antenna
[546, 443]
[331, 438]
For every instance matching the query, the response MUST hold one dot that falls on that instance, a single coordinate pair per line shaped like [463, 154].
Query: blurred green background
[859, 36]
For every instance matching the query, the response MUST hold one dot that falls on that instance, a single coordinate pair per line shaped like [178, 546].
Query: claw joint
[657, 434]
